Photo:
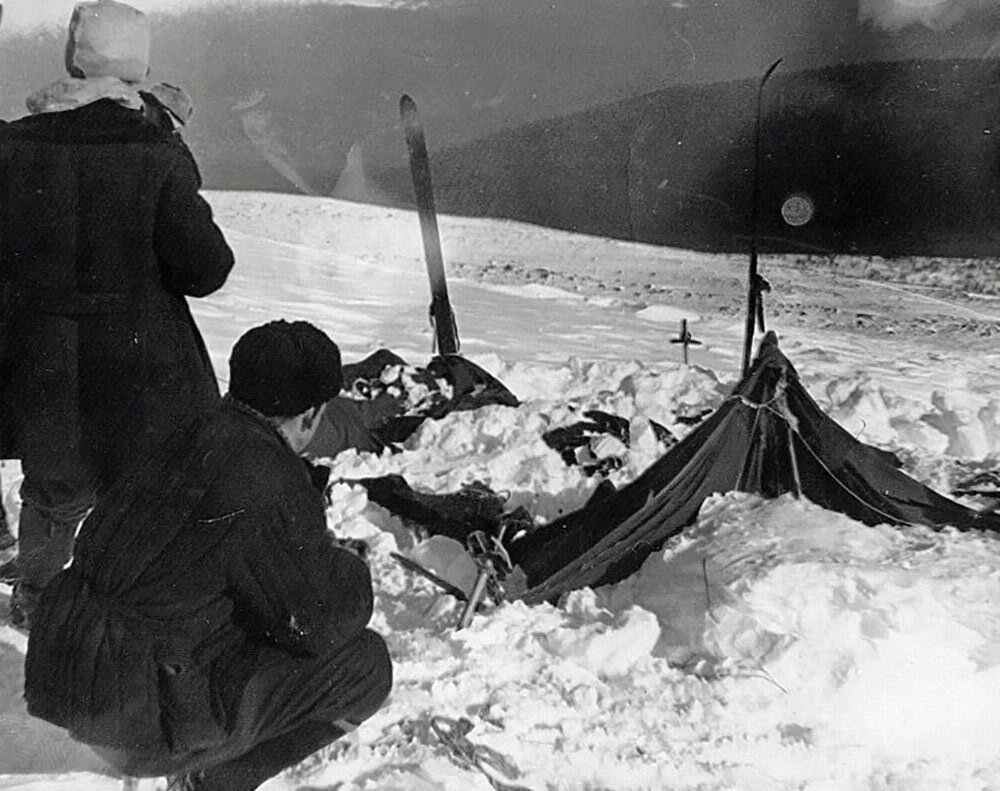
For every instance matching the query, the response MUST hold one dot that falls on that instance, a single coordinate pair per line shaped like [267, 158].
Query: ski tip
[770, 70]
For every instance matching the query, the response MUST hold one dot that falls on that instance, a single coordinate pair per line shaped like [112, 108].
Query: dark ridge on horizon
[534, 112]
[899, 158]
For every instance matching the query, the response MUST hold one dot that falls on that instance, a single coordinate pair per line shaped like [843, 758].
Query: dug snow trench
[774, 645]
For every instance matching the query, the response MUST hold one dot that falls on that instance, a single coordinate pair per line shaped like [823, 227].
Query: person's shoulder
[20, 126]
[100, 122]
[259, 462]
[107, 120]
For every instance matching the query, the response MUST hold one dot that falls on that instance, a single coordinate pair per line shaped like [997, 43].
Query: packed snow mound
[877, 415]
[665, 314]
[885, 636]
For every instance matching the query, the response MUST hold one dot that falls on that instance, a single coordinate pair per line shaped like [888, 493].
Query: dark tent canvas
[769, 438]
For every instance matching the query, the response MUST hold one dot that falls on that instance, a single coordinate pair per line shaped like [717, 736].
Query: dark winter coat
[102, 234]
[183, 572]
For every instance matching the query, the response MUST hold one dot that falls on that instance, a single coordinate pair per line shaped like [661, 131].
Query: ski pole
[485, 571]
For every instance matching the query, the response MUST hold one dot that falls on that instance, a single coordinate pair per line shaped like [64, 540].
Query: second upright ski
[442, 316]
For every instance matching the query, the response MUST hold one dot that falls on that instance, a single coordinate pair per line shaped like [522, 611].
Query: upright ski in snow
[445, 329]
[755, 284]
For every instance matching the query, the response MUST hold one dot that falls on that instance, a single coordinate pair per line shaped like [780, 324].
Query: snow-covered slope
[775, 646]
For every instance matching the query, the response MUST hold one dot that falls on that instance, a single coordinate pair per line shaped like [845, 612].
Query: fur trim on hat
[69, 93]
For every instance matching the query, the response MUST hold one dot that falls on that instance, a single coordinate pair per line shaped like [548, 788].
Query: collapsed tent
[769, 438]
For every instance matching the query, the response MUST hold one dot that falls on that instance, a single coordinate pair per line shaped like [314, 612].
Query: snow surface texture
[775, 645]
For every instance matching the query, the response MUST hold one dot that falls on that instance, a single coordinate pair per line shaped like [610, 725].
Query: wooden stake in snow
[755, 311]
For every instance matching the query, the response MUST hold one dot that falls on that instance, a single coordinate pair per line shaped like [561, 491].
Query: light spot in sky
[897, 14]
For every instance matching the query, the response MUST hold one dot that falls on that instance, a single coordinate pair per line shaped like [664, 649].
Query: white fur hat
[108, 39]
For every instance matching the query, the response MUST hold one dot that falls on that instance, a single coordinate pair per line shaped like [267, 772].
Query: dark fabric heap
[983, 484]
[455, 515]
[376, 414]
[570, 440]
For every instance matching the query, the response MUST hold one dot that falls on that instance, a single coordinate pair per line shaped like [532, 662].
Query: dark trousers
[291, 708]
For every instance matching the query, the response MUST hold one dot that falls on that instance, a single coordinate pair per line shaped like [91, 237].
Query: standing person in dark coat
[102, 235]
[211, 627]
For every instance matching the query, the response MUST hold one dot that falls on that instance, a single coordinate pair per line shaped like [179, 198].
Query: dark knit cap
[284, 368]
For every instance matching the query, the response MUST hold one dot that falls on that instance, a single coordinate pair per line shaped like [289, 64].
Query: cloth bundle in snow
[770, 438]
[578, 442]
[387, 400]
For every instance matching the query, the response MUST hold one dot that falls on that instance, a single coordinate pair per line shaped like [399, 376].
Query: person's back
[204, 584]
[101, 243]
[103, 234]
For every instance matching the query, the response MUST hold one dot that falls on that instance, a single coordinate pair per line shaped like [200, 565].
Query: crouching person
[210, 628]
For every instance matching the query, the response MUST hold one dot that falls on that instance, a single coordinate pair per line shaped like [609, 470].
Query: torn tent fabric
[387, 400]
[770, 438]
[454, 515]
[983, 484]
